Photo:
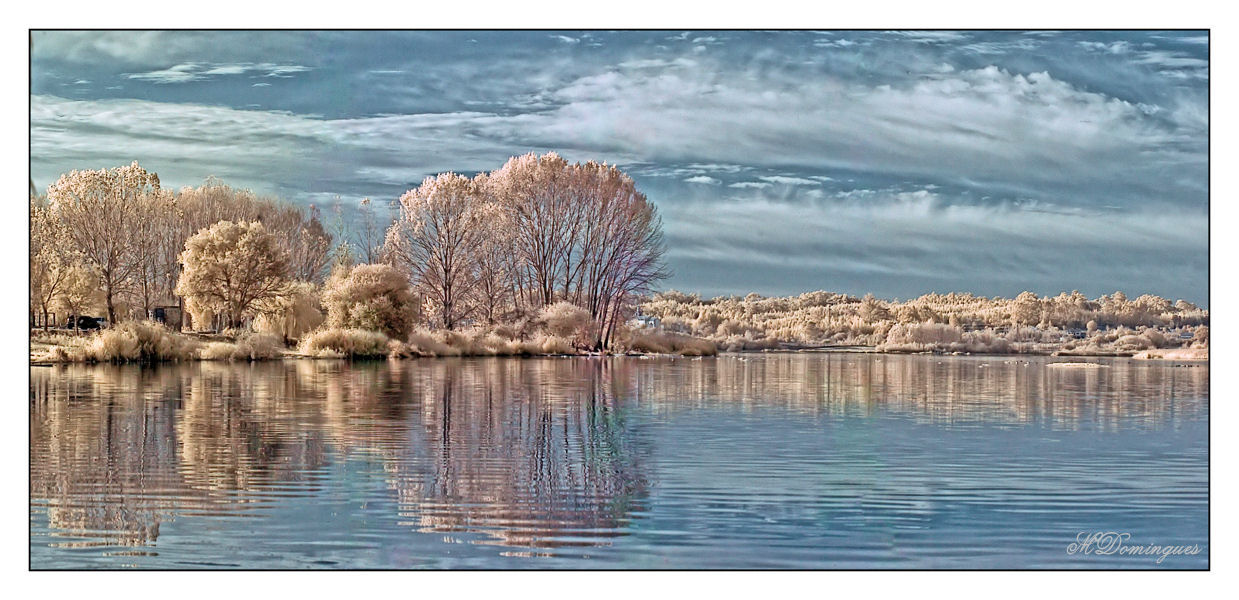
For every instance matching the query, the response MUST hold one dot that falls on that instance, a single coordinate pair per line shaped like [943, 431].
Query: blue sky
[896, 163]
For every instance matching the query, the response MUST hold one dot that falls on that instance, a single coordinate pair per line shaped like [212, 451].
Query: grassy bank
[146, 342]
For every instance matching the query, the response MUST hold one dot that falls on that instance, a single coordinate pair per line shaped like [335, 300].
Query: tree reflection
[530, 453]
[533, 453]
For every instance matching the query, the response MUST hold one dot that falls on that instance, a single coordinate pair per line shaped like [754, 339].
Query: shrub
[547, 344]
[139, 341]
[566, 320]
[291, 313]
[662, 343]
[928, 334]
[371, 297]
[345, 343]
[1133, 342]
[249, 346]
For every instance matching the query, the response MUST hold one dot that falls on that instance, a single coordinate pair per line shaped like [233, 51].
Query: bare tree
[52, 259]
[435, 239]
[582, 233]
[535, 191]
[372, 225]
[101, 211]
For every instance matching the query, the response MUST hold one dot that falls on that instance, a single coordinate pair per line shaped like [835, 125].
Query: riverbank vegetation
[540, 256]
[1066, 324]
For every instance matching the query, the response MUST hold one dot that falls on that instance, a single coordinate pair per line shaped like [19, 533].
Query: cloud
[908, 243]
[929, 37]
[785, 180]
[1118, 47]
[989, 130]
[162, 48]
[199, 71]
[979, 126]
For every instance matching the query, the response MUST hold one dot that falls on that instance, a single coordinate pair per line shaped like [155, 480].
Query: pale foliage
[566, 320]
[436, 237]
[229, 267]
[939, 322]
[580, 233]
[344, 343]
[372, 297]
[102, 214]
[56, 272]
[668, 343]
[292, 312]
[249, 346]
[138, 341]
[540, 230]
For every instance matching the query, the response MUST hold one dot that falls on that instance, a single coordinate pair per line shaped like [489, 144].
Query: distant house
[645, 322]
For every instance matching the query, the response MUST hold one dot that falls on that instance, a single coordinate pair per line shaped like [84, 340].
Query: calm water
[757, 461]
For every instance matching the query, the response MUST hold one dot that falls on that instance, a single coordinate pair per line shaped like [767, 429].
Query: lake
[808, 460]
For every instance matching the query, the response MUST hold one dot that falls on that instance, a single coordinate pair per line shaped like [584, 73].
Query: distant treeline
[1068, 322]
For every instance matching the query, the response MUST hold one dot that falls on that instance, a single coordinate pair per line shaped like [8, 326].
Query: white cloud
[927, 37]
[978, 125]
[199, 71]
[1119, 47]
[749, 184]
[901, 243]
[786, 180]
[702, 179]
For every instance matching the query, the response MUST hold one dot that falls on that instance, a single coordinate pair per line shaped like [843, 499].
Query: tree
[371, 232]
[291, 313]
[1026, 309]
[873, 310]
[435, 239]
[566, 320]
[229, 267]
[102, 213]
[304, 238]
[374, 297]
[52, 259]
[494, 267]
[152, 242]
[79, 293]
[580, 233]
[535, 192]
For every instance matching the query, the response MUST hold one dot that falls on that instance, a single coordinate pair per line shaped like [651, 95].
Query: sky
[888, 162]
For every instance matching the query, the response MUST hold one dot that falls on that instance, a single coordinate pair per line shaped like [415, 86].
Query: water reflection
[537, 456]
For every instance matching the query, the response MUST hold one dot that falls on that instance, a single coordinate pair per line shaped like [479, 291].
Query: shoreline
[1198, 355]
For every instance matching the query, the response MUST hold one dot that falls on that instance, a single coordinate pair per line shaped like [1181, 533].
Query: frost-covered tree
[580, 233]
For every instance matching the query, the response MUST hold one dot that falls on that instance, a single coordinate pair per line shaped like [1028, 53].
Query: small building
[170, 316]
[646, 322]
